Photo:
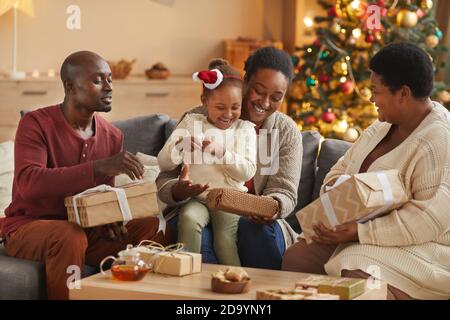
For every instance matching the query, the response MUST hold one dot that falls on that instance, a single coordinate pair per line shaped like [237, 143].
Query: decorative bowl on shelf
[121, 69]
[158, 71]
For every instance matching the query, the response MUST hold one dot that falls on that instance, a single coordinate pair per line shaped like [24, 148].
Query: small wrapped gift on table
[171, 260]
[359, 197]
[345, 288]
[104, 204]
[241, 203]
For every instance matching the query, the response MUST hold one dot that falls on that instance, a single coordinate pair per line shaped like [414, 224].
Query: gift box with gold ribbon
[359, 197]
[171, 260]
[345, 288]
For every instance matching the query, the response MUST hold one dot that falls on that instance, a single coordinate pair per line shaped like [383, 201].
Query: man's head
[402, 73]
[87, 81]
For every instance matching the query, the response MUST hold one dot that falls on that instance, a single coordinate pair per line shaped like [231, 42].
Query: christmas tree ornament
[328, 116]
[310, 119]
[407, 19]
[381, 3]
[420, 13]
[335, 28]
[300, 126]
[347, 87]
[324, 55]
[351, 135]
[310, 82]
[324, 78]
[317, 43]
[351, 41]
[295, 60]
[427, 4]
[432, 41]
[438, 34]
[444, 96]
[366, 93]
[370, 38]
[332, 12]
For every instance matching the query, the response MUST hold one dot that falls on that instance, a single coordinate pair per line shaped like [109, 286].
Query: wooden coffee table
[192, 287]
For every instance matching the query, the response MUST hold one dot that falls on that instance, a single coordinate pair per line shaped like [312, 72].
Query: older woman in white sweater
[409, 248]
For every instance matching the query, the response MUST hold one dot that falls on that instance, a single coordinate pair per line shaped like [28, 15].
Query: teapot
[128, 266]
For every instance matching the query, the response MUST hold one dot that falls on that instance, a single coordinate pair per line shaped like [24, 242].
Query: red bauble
[370, 38]
[420, 13]
[347, 87]
[381, 3]
[384, 12]
[332, 12]
[317, 43]
[310, 119]
[324, 78]
[328, 116]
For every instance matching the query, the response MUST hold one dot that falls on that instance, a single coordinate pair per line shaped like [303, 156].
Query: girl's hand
[347, 232]
[185, 188]
[213, 148]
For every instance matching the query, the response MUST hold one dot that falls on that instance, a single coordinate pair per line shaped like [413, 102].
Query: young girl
[220, 150]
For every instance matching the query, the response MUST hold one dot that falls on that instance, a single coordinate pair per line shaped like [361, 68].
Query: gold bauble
[340, 67]
[351, 135]
[335, 28]
[366, 93]
[407, 19]
[432, 41]
[427, 4]
[444, 96]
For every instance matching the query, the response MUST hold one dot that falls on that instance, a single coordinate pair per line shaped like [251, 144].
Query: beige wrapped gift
[241, 203]
[100, 205]
[360, 198]
[175, 263]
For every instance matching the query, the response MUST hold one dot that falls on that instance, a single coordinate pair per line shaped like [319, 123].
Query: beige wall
[184, 36]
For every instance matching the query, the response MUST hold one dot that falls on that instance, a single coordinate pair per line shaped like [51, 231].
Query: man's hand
[184, 188]
[115, 231]
[123, 162]
[347, 232]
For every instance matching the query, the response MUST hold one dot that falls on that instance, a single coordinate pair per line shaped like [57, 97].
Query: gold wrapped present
[345, 288]
[279, 294]
[360, 198]
[104, 204]
[241, 203]
[171, 260]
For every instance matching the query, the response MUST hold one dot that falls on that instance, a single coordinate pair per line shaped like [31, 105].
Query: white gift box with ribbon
[105, 204]
[360, 197]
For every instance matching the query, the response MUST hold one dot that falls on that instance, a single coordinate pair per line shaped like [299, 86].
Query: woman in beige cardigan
[409, 248]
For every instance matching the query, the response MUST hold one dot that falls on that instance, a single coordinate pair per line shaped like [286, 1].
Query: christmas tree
[331, 89]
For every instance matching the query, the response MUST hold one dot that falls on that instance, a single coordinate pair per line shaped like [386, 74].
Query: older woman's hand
[184, 188]
[347, 232]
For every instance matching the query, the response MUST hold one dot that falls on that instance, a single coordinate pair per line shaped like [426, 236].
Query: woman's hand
[265, 220]
[347, 232]
[184, 188]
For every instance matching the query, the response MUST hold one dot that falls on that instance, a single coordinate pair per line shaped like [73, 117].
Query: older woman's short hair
[405, 64]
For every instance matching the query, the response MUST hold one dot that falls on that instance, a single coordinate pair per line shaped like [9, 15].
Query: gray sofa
[23, 279]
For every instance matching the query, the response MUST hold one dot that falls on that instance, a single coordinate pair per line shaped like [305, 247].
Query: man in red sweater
[60, 151]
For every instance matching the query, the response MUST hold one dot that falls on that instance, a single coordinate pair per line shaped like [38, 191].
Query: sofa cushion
[25, 279]
[310, 142]
[331, 151]
[170, 126]
[144, 134]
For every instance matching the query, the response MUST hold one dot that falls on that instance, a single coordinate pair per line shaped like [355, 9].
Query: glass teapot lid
[129, 253]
